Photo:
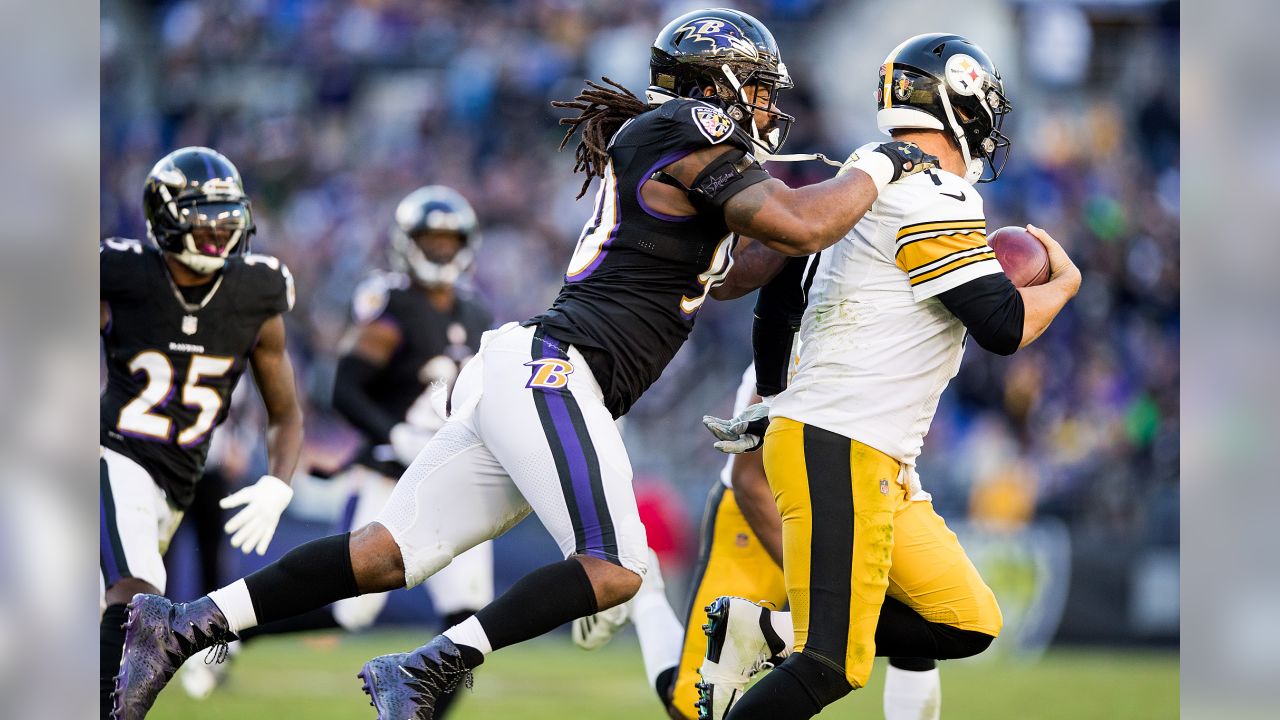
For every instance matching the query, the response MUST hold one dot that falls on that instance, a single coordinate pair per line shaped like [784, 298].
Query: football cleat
[201, 674]
[158, 637]
[595, 631]
[737, 649]
[406, 686]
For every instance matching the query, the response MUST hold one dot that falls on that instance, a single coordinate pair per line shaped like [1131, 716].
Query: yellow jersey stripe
[916, 254]
[952, 267]
[905, 230]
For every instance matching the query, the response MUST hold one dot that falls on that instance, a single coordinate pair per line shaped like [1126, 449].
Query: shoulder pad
[698, 123]
[373, 294]
[272, 279]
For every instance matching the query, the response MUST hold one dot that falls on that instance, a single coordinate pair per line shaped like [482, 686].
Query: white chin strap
[973, 166]
[797, 157]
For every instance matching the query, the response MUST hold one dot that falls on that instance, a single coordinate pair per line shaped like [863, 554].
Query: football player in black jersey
[414, 329]
[181, 317]
[532, 422]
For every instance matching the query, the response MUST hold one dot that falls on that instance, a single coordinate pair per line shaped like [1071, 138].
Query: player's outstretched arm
[755, 500]
[806, 220]
[1043, 302]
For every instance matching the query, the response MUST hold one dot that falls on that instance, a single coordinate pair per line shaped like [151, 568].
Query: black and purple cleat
[159, 636]
[406, 686]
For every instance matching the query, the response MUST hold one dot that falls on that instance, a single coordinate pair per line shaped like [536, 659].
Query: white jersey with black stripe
[877, 345]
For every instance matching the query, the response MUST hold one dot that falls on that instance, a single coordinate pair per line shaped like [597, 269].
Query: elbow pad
[721, 179]
[992, 311]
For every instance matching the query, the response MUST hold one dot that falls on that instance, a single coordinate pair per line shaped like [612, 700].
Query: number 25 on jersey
[138, 417]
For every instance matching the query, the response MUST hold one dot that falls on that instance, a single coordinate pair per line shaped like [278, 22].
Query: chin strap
[797, 157]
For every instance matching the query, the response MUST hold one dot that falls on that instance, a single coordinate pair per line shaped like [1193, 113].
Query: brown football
[1023, 258]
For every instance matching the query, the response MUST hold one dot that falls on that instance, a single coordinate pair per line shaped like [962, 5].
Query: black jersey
[637, 277]
[172, 363]
[433, 346]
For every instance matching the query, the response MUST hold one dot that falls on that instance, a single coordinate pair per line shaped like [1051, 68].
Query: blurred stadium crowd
[335, 109]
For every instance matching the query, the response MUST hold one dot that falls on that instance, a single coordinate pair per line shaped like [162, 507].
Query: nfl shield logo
[189, 325]
[884, 486]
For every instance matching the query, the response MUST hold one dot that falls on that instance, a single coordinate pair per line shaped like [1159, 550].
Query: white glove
[743, 432]
[251, 529]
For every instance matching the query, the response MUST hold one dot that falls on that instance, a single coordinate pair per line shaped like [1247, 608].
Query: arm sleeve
[991, 309]
[350, 398]
[779, 309]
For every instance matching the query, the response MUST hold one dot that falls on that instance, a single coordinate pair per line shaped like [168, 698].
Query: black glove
[907, 158]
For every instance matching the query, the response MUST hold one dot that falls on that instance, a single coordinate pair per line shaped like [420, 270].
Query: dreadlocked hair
[601, 111]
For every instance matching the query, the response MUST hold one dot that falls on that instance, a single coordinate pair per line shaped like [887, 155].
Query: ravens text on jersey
[172, 360]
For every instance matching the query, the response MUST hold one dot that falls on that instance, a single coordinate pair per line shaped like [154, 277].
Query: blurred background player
[414, 330]
[181, 316]
[533, 428]
[740, 555]
[844, 434]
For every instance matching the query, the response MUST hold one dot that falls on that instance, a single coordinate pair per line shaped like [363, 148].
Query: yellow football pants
[850, 536]
[731, 562]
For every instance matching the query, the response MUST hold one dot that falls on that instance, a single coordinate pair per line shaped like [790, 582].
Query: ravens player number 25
[181, 316]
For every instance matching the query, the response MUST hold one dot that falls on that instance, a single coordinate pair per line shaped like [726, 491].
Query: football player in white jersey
[870, 568]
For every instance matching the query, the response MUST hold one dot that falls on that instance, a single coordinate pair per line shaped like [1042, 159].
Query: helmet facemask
[202, 232]
[984, 147]
[409, 257]
[757, 91]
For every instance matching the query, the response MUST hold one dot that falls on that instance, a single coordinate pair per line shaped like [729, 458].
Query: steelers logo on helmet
[964, 75]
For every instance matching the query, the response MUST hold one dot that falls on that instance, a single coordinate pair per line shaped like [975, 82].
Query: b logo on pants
[549, 373]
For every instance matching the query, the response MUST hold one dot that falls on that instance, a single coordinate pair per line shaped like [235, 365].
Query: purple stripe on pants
[579, 473]
[111, 566]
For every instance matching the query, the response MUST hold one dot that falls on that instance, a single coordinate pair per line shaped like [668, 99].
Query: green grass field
[314, 678]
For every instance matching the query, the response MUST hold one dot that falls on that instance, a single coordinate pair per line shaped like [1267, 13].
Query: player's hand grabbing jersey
[637, 277]
[171, 362]
[878, 346]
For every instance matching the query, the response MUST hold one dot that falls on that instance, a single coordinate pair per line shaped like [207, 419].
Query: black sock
[796, 690]
[111, 645]
[913, 664]
[321, 619]
[538, 603]
[664, 684]
[308, 577]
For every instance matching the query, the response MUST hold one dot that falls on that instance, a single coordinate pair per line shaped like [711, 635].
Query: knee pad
[423, 562]
[358, 613]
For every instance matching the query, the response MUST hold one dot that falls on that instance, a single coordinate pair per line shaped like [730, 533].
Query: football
[1023, 258]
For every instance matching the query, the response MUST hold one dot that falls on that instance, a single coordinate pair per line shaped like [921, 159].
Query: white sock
[236, 605]
[660, 632]
[781, 622]
[912, 695]
[469, 632]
